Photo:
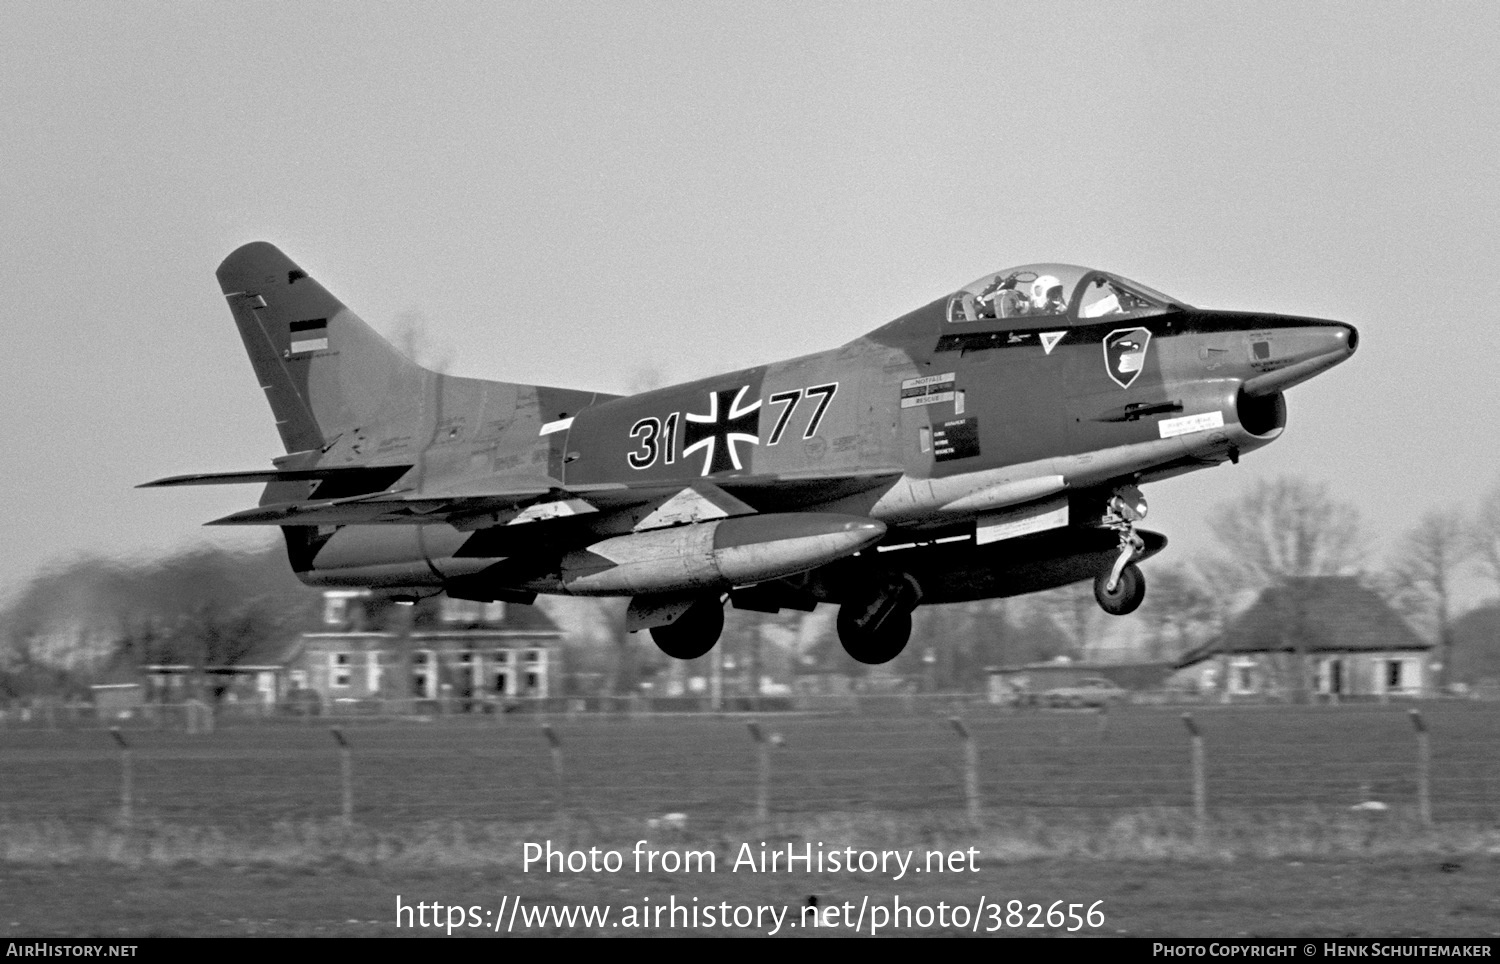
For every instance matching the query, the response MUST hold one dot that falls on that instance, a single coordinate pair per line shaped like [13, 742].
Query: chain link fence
[921, 756]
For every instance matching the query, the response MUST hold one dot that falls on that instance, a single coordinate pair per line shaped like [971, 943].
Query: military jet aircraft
[990, 443]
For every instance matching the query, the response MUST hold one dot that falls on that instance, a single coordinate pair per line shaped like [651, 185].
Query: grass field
[1074, 804]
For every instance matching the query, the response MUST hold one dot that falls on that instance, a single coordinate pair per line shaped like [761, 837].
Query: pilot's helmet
[1045, 290]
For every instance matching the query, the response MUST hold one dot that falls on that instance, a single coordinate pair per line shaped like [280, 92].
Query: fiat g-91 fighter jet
[991, 443]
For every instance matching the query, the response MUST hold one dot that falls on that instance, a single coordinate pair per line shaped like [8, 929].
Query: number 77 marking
[791, 399]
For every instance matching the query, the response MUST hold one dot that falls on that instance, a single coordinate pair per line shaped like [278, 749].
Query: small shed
[1328, 636]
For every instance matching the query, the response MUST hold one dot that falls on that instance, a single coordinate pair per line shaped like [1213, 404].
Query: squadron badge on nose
[1125, 354]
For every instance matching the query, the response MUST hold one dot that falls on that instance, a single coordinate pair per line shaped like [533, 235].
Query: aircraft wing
[542, 499]
[387, 508]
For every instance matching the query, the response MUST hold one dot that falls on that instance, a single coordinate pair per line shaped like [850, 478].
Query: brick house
[452, 649]
[1325, 636]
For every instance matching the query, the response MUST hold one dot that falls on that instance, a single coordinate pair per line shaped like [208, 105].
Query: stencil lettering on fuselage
[929, 390]
[956, 439]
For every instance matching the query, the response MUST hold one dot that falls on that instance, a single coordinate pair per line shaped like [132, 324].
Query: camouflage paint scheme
[982, 445]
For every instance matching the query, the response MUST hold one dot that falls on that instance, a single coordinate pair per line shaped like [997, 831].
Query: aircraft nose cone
[1295, 353]
[1350, 336]
[1336, 342]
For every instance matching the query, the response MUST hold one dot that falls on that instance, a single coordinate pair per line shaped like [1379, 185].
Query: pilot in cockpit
[1047, 296]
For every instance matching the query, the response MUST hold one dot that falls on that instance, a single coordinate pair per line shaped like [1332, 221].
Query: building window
[423, 677]
[468, 678]
[1397, 677]
[500, 672]
[534, 662]
[338, 670]
[1331, 677]
[1242, 676]
[372, 671]
[335, 610]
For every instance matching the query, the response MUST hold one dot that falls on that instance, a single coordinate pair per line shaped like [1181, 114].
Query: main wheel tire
[694, 633]
[1127, 595]
[873, 647]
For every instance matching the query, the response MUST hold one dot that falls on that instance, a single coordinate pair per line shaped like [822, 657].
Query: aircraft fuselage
[987, 444]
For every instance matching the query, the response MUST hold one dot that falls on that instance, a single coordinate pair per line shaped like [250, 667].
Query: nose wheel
[1126, 593]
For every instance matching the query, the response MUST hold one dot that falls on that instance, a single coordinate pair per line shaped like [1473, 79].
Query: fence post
[126, 797]
[1200, 778]
[346, 773]
[554, 745]
[763, 781]
[971, 768]
[1424, 769]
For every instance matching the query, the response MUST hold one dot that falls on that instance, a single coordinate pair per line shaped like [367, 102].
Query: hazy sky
[579, 193]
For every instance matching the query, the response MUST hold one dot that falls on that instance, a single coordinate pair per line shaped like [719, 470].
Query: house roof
[528, 619]
[1313, 614]
[271, 652]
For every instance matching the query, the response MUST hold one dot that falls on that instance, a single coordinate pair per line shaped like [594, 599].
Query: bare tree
[201, 607]
[1485, 540]
[1181, 609]
[1288, 527]
[1431, 555]
[1074, 612]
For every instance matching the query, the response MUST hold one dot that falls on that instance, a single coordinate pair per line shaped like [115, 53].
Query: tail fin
[324, 370]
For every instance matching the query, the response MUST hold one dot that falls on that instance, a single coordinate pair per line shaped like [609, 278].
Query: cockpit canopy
[1062, 294]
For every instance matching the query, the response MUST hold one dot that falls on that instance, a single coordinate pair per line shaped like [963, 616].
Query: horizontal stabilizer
[387, 473]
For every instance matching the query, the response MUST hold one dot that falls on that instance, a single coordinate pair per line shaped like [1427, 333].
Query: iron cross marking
[728, 421]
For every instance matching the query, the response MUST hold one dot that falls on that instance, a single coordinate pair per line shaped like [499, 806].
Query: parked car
[1086, 692]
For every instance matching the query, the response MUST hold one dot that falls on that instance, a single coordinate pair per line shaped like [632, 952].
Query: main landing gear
[1121, 589]
[693, 633]
[874, 622]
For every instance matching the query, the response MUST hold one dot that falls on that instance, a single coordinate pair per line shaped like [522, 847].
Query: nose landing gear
[1121, 590]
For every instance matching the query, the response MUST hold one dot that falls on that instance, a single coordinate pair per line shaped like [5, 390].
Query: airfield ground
[239, 831]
